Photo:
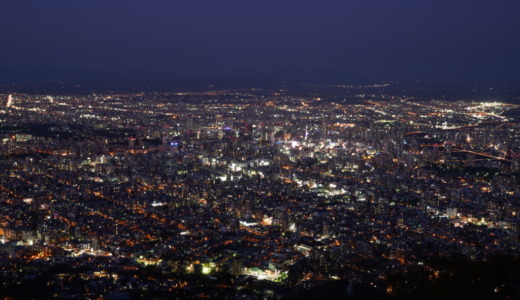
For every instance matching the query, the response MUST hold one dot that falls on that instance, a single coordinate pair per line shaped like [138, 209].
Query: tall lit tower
[9, 100]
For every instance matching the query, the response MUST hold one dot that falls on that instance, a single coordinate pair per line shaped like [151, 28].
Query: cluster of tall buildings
[246, 193]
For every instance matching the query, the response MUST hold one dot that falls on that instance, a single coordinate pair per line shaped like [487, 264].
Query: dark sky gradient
[434, 39]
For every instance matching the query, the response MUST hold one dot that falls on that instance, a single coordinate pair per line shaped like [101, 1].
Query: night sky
[383, 39]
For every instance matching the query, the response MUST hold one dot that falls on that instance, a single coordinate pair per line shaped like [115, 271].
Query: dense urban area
[258, 194]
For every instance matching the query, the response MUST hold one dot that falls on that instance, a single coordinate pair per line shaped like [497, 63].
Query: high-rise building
[131, 143]
[236, 267]
[9, 101]
[189, 122]
[515, 162]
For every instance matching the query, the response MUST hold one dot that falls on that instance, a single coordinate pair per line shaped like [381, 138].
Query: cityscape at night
[256, 193]
[230, 149]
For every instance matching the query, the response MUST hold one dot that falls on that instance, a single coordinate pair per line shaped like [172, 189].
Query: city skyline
[231, 149]
[343, 192]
